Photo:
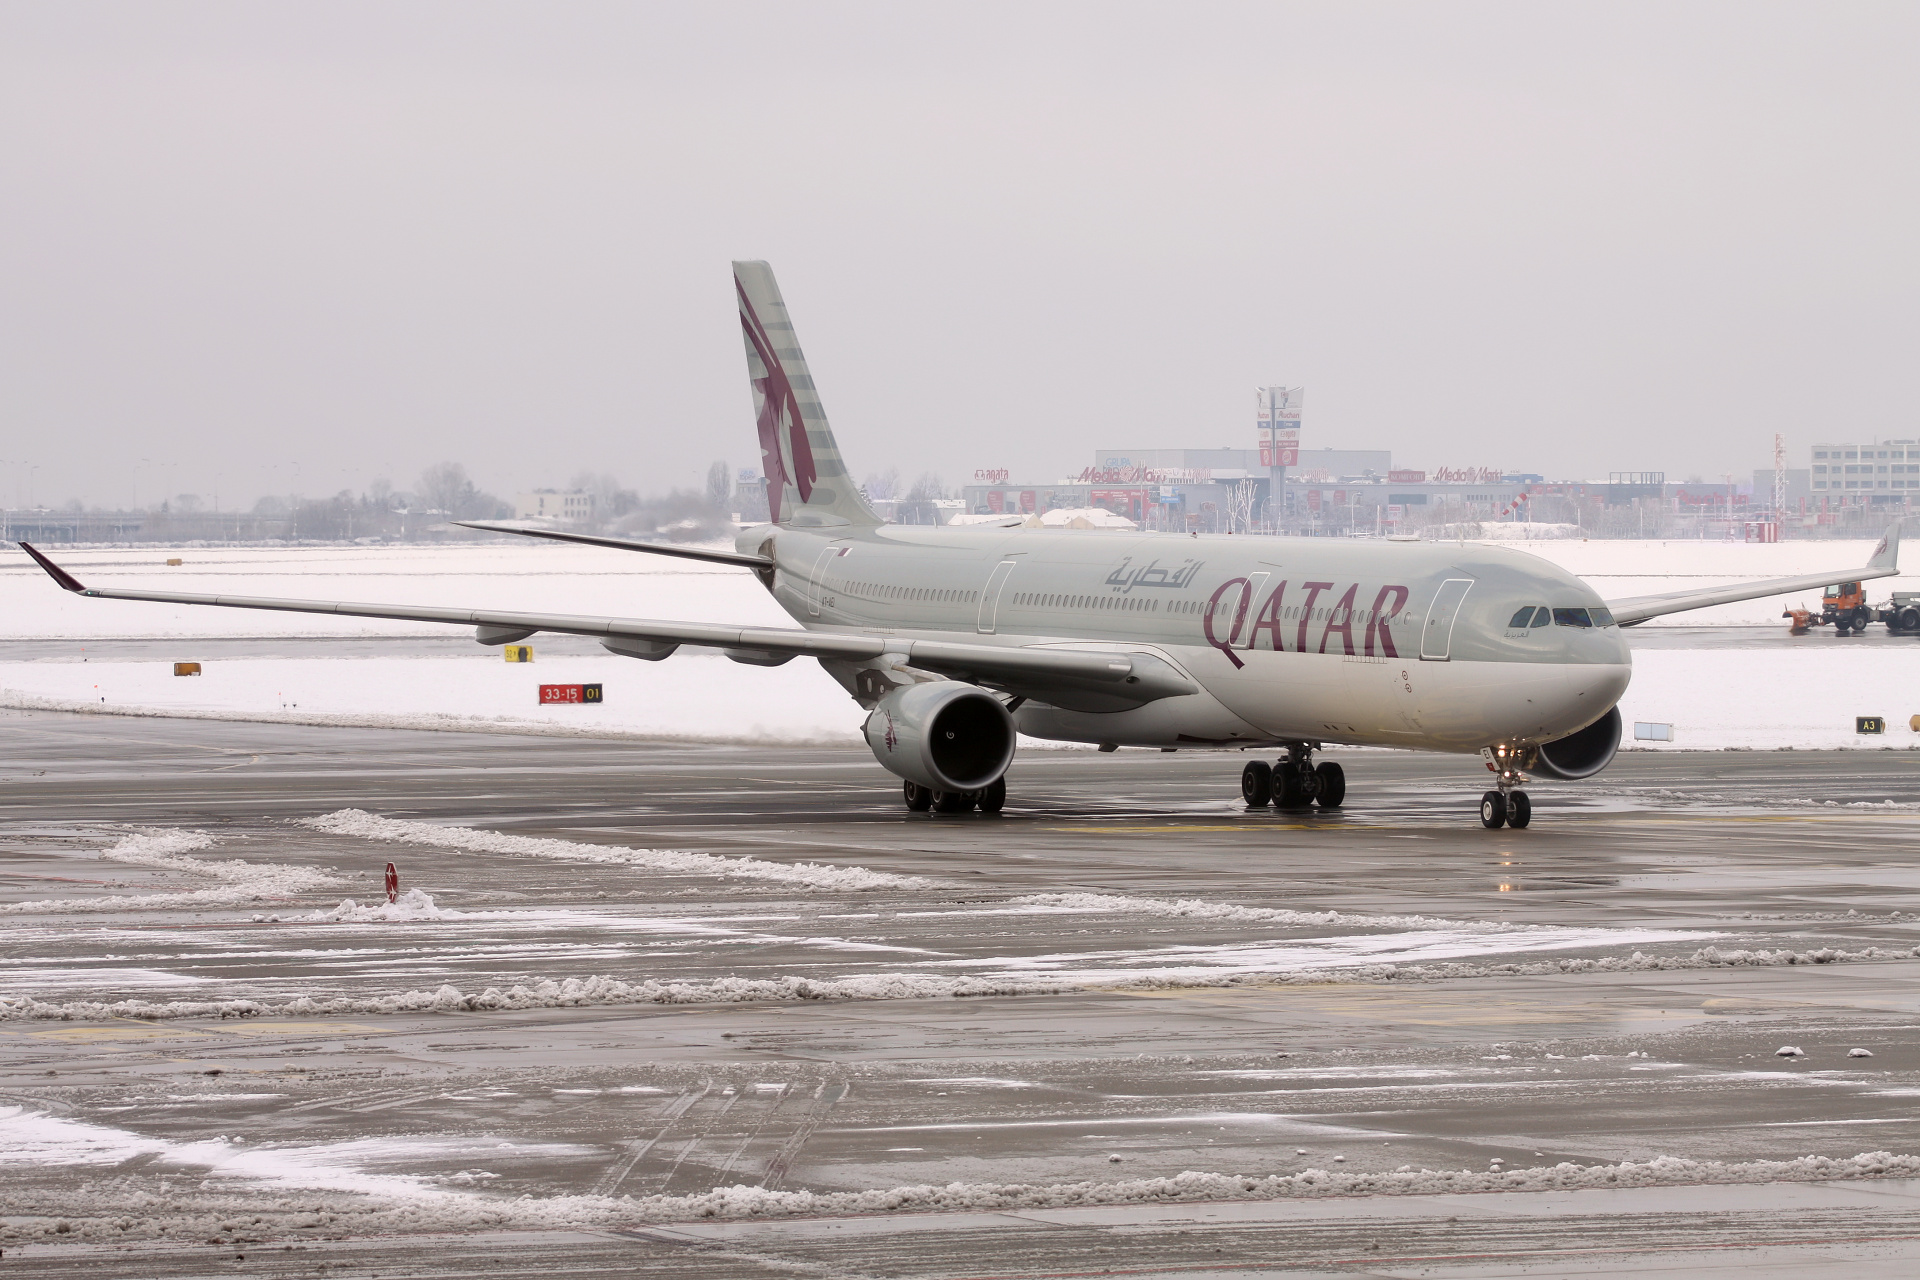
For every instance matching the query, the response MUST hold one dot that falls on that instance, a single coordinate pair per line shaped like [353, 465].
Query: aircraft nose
[1597, 684]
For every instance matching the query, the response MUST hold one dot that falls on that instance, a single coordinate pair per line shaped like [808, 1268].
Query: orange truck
[1844, 607]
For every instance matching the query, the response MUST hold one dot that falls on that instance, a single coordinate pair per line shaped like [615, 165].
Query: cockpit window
[1572, 618]
[1524, 618]
[1602, 617]
[1540, 616]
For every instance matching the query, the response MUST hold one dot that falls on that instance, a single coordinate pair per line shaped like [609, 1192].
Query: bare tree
[883, 485]
[918, 507]
[720, 486]
[445, 487]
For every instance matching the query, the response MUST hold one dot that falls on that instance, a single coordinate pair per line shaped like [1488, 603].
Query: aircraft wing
[1079, 680]
[1883, 563]
[624, 544]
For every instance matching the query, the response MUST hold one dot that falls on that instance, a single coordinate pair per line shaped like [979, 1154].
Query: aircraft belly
[1192, 720]
[1464, 706]
[1447, 706]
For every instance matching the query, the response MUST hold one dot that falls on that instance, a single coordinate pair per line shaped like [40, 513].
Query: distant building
[1799, 487]
[572, 505]
[1881, 471]
[1314, 464]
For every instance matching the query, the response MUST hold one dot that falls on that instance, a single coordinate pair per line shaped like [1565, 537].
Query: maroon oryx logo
[779, 410]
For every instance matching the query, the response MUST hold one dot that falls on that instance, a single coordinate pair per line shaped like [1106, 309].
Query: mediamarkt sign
[1277, 414]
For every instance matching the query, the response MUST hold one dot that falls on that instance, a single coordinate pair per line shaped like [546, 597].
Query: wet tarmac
[1382, 1041]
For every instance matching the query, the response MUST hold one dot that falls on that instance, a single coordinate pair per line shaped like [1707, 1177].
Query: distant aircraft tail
[1887, 554]
[807, 481]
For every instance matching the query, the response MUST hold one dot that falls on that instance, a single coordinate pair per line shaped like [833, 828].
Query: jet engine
[1582, 754]
[945, 735]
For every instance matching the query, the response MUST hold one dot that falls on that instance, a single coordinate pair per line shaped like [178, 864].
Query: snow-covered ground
[1801, 698]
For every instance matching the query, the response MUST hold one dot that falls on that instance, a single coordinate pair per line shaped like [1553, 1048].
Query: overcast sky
[256, 247]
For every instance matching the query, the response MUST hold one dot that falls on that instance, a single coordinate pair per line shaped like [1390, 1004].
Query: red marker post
[393, 883]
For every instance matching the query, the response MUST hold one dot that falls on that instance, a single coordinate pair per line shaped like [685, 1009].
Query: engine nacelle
[945, 735]
[1582, 754]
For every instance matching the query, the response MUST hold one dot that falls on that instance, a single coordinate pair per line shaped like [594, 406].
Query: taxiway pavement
[1124, 978]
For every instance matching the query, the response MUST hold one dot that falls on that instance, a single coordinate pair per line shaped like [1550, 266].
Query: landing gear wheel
[1256, 784]
[1493, 811]
[919, 798]
[1519, 809]
[1289, 788]
[1333, 785]
[993, 797]
[952, 801]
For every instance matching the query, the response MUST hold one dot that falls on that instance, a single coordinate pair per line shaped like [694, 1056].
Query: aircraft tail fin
[1887, 554]
[807, 480]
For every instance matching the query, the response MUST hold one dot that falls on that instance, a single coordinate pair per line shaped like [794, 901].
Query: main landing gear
[988, 799]
[1294, 781]
[1507, 805]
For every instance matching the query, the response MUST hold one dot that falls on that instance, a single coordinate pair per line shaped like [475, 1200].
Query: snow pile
[599, 990]
[344, 1201]
[1194, 909]
[358, 822]
[1079, 518]
[35, 1138]
[414, 904]
[742, 1201]
[1512, 531]
[241, 882]
[547, 994]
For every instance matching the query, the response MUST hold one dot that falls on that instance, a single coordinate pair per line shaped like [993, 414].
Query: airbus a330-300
[956, 640]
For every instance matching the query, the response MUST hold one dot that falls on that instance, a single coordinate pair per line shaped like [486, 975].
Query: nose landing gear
[1507, 805]
[1294, 781]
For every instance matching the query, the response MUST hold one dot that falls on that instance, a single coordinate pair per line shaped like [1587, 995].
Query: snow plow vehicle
[1844, 607]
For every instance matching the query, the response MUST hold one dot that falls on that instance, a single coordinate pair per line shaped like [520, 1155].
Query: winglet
[66, 580]
[1887, 554]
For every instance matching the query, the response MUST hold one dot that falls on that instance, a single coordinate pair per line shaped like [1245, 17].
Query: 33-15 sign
[557, 693]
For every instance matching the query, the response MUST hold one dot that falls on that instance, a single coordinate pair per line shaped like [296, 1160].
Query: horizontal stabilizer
[626, 544]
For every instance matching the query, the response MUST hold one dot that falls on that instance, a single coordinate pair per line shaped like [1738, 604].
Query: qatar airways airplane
[955, 640]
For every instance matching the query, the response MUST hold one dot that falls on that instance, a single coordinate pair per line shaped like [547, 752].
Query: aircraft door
[990, 598]
[816, 582]
[1436, 638]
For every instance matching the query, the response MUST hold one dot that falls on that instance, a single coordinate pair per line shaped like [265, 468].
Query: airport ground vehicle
[1844, 607]
[1902, 613]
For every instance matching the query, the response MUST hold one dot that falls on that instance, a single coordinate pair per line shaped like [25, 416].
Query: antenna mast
[1779, 476]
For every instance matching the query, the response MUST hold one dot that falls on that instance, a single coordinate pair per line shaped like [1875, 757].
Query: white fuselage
[1289, 639]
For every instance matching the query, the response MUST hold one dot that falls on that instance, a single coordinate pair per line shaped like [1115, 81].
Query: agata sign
[1276, 618]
